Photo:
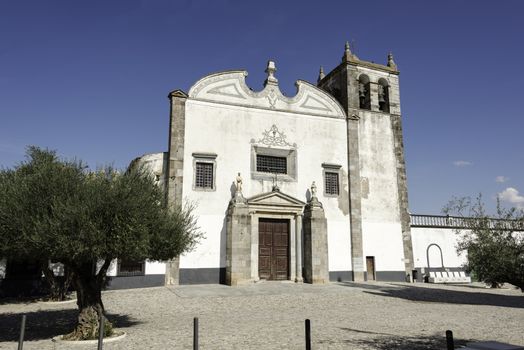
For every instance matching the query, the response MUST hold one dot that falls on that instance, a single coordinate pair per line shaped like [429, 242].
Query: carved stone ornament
[230, 87]
[274, 137]
[391, 62]
[272, 98]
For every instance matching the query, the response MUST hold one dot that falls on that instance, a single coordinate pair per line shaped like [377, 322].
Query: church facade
[304, 188]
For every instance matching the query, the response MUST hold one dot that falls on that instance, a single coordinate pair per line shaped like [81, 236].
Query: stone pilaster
[316, 270]
[238, 242]
[355, 213]
[354, 180]
[342, 83]
[175, 167]
[298, 248]
[375, 106]
[172, 277]
[396, 126]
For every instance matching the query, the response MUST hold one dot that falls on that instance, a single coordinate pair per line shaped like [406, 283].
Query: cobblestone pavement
[270, 315]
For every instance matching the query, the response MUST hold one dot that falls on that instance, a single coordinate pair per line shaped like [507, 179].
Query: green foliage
[494, 245]
[52, 209]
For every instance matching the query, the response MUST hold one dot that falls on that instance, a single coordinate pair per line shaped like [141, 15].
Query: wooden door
[273, 249]
[370, 264]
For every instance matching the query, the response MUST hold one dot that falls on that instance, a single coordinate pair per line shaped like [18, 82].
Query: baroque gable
[230, 87]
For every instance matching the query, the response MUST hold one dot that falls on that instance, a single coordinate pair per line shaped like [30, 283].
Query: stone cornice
[373, 66]
[263, 108]
[177, 93]
[358, 63]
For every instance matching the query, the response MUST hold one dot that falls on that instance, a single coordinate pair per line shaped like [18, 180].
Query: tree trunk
[68, 279]
[89, 300]
[58, 286]
[51, 279]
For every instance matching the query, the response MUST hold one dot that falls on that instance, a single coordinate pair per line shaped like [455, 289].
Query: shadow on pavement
[439, 295]
[394, 342]
[46, 324]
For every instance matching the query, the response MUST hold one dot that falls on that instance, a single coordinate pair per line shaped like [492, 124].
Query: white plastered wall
[155, 267]
[381, 227]
[229, 131]
[445, 238]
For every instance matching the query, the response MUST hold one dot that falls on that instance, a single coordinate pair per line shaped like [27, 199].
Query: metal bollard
[22, 333]
[449, 340]
[308, 334]
[195, 333]
[101, 331]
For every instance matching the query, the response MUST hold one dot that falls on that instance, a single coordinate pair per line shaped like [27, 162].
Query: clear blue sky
[90, 78]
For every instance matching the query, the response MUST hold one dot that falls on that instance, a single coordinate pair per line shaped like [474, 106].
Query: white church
[310, 188]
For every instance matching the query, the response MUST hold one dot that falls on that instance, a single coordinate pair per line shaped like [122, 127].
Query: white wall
[229, 131]
[445, 238]
[384, 242]
[381, 228]
[155, 267]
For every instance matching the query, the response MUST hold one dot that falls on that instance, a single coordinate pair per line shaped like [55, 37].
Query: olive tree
[494, 244]
[54, 209]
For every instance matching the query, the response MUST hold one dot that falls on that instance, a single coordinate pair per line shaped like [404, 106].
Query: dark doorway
[370, 264]
[273, 249]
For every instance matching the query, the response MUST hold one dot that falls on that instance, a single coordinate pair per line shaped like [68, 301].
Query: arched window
[364, 92]
[383, 95]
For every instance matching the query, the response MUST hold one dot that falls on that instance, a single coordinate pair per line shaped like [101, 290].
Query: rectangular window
[271, 164]
[266, 163]
[331, 183]
[204, 175]
[130, 268]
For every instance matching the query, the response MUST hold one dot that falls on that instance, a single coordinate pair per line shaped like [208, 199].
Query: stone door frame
[294, 215]
[275, 227]
[242, 234]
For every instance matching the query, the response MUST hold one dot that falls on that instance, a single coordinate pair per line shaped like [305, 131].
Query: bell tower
[379, 217]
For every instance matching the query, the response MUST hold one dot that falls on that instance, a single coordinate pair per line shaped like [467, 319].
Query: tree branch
[48, 272]
[103, 270]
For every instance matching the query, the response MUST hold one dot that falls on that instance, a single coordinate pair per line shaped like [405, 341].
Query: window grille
[271, 164]
[331, 183]
[204, 175]
[130, 268]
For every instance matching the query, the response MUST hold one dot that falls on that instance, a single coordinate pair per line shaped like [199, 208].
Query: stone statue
[313, 189]
[239, 183]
